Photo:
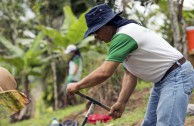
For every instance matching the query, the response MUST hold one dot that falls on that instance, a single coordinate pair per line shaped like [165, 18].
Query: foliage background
[34, 34]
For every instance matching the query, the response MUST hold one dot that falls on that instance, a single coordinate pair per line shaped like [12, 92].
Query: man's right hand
[71, 88]
[117, 110]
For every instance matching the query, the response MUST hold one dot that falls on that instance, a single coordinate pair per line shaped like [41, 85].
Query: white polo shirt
[142, 52]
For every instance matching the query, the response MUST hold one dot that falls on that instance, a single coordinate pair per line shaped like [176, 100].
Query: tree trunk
[25, 82]
[175, 26]
[184, 38]
[53, 66]
[184, 25]
[28, 111]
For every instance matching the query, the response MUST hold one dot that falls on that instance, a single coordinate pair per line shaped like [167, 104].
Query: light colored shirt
[77, 60]
[142, 52]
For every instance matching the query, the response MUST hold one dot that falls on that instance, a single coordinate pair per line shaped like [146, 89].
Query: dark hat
[97, 17]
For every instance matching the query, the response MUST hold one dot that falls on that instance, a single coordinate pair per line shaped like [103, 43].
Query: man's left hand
[117, 110]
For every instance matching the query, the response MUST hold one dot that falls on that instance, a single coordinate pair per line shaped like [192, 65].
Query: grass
[46, 118]
[132, 116]
[128, 118]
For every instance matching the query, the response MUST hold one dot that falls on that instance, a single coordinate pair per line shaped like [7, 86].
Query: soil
[135, 101]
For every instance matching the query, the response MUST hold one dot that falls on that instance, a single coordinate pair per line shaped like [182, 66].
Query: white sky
[188, 5]
[156, 21]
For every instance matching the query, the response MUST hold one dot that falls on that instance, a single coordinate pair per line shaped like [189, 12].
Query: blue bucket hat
[97, 17]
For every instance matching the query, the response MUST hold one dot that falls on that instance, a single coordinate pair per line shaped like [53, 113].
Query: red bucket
[190, 38]
[94, 118]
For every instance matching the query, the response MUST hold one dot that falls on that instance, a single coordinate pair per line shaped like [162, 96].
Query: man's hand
[96, 77]
[117, 110]
[71, 88]
[128, 85]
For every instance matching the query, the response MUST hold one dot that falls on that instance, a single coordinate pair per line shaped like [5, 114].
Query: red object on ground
[190, 38]
[94, 118]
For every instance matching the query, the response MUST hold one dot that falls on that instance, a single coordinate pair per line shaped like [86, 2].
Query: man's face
[105, 33]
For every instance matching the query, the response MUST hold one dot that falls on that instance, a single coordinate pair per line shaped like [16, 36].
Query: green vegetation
[45, 118]
[31, 48]
[130, 116]
[133, 114]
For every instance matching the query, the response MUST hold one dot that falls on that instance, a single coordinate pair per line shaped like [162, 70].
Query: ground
[138, 99]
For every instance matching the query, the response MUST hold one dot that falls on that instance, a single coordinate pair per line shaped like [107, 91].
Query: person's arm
[96, 77]
[128, 85]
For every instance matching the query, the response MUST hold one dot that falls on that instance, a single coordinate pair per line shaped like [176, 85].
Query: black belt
[174, 66]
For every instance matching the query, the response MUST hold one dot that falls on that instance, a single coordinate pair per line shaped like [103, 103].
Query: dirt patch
[137, 123]
[137, 99]
[189, 122]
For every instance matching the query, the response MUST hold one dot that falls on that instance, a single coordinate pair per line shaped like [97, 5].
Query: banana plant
[72, 32]
[23, 63]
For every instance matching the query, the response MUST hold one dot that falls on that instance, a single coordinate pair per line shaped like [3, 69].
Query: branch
[175, 25]
[180, 8]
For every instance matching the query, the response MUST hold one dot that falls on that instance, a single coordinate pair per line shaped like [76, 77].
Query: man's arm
[96, 77]
[128, 85]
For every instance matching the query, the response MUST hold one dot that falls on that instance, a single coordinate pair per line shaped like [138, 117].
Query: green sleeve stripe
[121, 46]
[76, 60]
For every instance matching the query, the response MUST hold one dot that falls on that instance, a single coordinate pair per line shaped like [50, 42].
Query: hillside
[134, 112]
[132, 116]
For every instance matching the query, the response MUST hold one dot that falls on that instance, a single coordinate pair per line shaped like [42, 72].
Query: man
[144, 55]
